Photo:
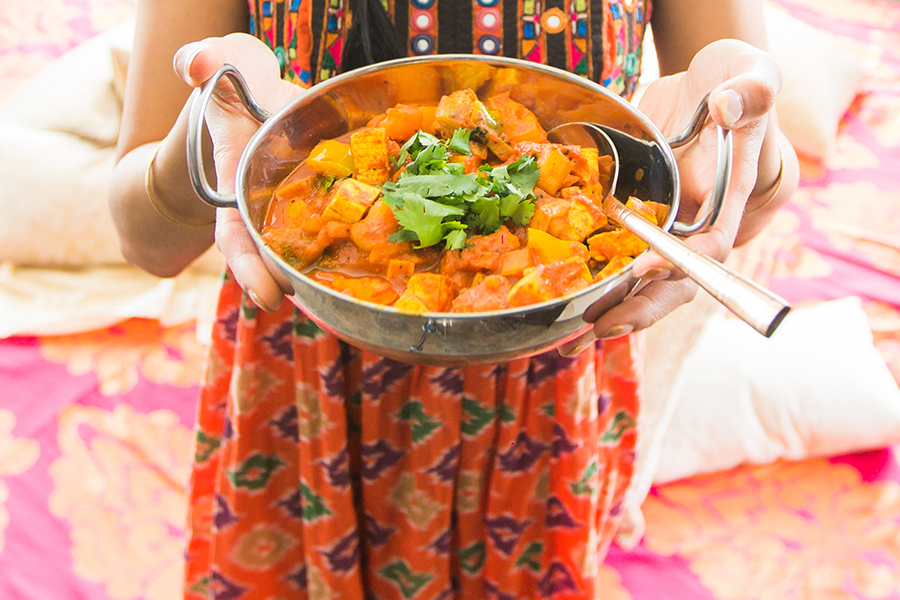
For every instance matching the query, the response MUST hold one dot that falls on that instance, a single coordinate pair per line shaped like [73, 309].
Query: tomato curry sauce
[460, 207]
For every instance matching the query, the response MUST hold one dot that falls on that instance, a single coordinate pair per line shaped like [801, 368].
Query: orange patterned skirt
[322, 471]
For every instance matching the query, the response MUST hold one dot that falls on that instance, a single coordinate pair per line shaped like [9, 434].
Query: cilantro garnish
[434, 199]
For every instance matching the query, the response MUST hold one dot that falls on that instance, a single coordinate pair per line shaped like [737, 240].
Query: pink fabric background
[95, 428]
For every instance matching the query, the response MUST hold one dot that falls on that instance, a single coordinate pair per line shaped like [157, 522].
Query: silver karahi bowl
[347, 102]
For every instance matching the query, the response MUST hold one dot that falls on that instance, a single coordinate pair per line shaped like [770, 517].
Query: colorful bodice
[599, 40]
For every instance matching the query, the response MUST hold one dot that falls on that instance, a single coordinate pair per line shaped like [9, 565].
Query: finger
[198, 61]
[643, 309]
[579, 344]
[749, 91]
[246, 264]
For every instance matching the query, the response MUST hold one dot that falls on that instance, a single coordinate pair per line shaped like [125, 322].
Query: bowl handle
[724, 151]
[196, 123]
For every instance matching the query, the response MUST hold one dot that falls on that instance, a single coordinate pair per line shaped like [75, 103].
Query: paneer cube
[371, 156]
[568, 219]
[427, 292]
[349, 201]
[454, 111]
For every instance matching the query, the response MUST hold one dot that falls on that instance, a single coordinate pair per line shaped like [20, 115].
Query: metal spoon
[757, 306]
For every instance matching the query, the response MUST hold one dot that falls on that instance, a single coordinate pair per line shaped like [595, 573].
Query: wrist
[163, 199]
[776, 194]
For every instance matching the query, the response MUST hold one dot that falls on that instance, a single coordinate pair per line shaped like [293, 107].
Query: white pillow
[817, 387]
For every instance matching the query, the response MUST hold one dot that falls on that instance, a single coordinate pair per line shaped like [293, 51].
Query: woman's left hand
[742, 82]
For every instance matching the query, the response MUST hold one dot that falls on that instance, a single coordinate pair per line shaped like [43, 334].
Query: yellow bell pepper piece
[331, 158]
[551, 249]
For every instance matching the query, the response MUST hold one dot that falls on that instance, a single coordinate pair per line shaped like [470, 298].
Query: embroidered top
[599, 40]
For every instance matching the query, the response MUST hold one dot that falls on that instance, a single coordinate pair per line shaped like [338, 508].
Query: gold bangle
[773, 190]
[159, 207]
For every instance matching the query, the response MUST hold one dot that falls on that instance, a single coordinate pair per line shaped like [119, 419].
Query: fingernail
[255, 298]
[656, 274]
[618, 331]
[731, 107]
[195, 49]
[589, 339]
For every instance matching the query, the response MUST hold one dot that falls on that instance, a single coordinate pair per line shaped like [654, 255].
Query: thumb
[750, 79]
[198, 61]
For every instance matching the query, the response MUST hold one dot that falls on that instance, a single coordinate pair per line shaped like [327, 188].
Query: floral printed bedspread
[96, 428]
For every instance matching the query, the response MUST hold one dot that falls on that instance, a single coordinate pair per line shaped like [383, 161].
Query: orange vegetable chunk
[546, 282]
[428, 114]
[398, 267]
[370, 289]
[513, 264]
[613, 266]
[455, 110]
[610, 244]
[297, 248]
[555, 169]
[400, 122]
[568, 219]
[482, 252]
[645, 210]
[491, 293]
[519, 123]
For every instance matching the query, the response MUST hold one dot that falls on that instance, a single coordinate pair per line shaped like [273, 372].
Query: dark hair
[371, 38]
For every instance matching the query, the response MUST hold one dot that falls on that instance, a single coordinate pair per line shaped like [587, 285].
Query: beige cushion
[820, 81]
[57, 140]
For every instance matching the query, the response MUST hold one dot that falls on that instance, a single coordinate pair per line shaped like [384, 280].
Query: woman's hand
[742, 82]
[230, 127]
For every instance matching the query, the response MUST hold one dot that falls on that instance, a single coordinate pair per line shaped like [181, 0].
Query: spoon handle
[757, 306]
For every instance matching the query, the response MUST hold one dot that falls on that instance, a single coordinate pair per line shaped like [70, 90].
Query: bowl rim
[323, 87]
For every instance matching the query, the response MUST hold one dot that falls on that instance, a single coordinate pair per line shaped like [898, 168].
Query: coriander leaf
[484, 214]
[524, 174]
[455, 239]
[415, 144]
[424, 218]
[516, 208]
[460, 142]
[404, 235]
[438, 184]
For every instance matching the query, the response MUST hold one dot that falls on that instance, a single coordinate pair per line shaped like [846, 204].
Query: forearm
[148, 237]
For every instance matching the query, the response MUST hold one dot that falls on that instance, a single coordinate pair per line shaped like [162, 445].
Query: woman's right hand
[231, 127]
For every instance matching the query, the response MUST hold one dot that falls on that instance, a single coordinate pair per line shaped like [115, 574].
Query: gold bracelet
[773, 190]
[157, 204]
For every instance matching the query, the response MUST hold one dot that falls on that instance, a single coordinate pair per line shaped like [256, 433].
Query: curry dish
[460, 207]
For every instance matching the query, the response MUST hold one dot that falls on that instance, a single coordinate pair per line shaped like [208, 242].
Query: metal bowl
[347, 102]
